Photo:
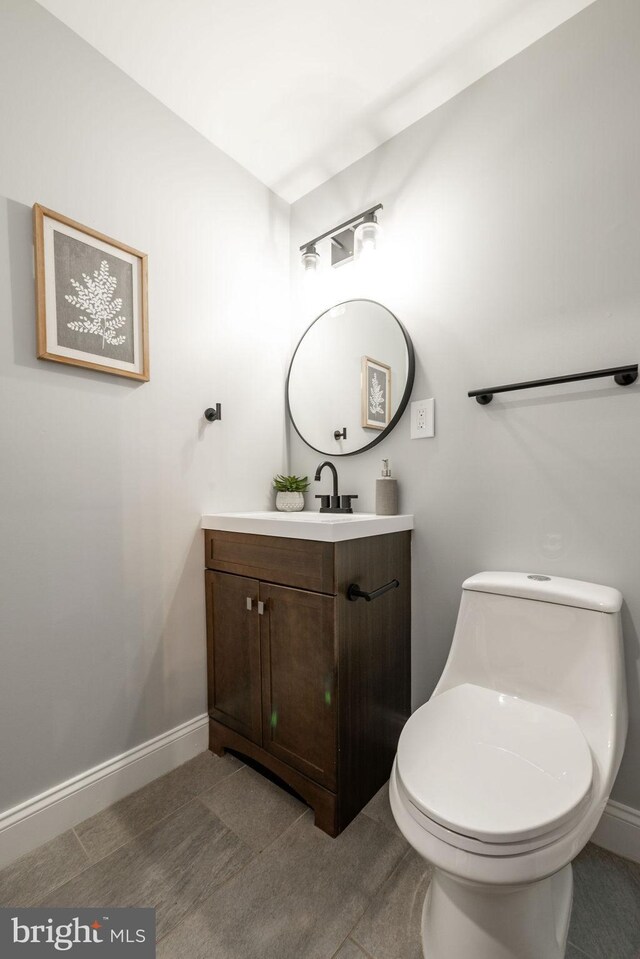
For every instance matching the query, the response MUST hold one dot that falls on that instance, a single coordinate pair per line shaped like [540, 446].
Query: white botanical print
[95, 299]
[376, 396]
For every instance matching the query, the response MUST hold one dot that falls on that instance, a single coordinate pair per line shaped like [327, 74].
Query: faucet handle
[345, 501]
[324, 500]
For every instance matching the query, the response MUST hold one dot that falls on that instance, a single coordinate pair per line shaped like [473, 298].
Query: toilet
[501, 777]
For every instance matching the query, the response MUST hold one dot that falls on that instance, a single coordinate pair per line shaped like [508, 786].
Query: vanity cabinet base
[323, 802]
[312, 685]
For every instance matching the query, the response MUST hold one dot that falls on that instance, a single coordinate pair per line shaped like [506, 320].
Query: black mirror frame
[411, 371]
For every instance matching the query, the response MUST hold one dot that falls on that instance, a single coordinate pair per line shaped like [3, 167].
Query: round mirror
[350, 378]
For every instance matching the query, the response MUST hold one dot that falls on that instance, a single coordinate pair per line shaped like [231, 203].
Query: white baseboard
[619, 830]
[42, 817]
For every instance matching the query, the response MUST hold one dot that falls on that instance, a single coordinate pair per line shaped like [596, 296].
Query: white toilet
[501, 777]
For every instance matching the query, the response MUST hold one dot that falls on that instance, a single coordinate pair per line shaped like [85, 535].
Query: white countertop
[326, 527]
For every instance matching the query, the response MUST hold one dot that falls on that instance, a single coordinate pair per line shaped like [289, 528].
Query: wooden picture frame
[375, 391]
[91, 298]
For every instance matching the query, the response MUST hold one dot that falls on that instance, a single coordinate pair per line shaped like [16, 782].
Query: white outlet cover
[423, 419]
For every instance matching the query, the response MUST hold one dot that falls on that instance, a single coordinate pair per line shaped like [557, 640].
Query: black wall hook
[340, 434]
[212, 414]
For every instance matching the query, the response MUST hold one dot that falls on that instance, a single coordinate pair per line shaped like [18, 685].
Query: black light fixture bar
[341, 226]
[623, 375]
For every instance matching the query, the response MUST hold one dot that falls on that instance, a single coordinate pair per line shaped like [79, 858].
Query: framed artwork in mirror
[375, 385]
[91, 297]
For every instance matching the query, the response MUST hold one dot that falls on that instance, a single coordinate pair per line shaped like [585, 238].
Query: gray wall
[103, 481]
[512, 221]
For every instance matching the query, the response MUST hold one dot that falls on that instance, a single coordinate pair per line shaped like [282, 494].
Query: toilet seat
[484, 769]
[477, 846]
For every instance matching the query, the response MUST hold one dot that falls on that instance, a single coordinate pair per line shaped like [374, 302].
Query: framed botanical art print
[376, 394]
[91, 294]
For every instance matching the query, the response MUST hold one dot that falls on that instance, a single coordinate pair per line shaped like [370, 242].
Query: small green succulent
[291, 484]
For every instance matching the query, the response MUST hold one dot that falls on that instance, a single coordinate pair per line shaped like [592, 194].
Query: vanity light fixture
[367, 235]
[357, 236]
[309, 258]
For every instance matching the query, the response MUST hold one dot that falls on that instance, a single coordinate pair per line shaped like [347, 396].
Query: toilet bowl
[502, 776]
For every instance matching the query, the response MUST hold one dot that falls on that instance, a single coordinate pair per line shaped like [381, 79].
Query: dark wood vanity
[313, 686]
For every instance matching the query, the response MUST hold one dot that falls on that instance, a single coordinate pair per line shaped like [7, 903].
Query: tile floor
[236, 870]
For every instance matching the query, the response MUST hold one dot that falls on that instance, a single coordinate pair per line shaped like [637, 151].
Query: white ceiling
[296, 91]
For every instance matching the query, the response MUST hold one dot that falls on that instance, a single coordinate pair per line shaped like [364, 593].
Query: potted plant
[290, 492]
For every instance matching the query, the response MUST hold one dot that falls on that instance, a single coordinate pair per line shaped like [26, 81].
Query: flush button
[539, 579]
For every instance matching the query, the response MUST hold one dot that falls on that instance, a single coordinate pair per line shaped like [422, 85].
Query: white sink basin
[327, 527]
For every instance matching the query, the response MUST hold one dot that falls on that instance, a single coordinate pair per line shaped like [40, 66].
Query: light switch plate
[423, 419]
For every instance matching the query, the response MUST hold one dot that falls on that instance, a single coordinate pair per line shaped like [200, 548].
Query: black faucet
[334, 503]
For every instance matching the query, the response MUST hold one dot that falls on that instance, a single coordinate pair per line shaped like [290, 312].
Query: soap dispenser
[386, 493]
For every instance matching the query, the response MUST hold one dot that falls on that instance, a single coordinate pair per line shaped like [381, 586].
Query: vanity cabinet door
[299, 680]
[233, 647]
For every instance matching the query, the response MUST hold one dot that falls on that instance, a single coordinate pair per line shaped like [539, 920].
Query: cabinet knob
[260, 607]
[249, 603]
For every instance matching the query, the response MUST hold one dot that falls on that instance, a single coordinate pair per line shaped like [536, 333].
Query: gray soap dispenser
[386, 493]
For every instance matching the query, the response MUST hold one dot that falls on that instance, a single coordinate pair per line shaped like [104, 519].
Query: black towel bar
[354, 592]
[623, 375]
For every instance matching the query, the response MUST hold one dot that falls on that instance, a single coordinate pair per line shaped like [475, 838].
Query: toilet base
[461, 919]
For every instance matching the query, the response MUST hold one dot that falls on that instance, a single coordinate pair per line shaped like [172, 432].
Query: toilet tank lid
[547, 589]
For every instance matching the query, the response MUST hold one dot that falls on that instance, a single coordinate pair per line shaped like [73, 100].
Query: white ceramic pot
[289, 502]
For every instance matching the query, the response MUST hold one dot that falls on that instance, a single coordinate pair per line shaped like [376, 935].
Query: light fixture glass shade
[309, 260]
[367, 237]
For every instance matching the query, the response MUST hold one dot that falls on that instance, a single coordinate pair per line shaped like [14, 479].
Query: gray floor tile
[257, 810]
[173, 866]
[296, 900]
[349, 950]
[574, 953]
[605, 921]
[24, 881]
[379, 809]
[390, 928]
[218, 898]
[111, 828]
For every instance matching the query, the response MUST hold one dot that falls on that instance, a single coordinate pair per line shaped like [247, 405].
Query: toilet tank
[554, 641]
